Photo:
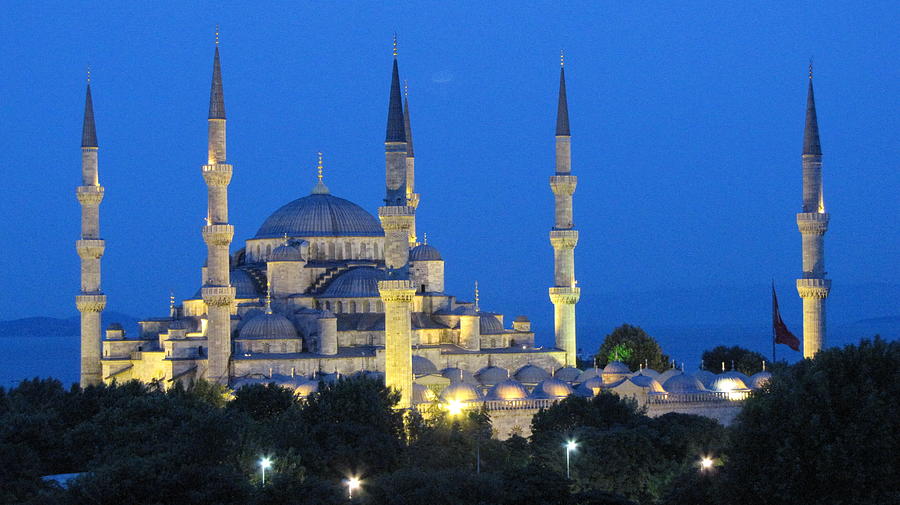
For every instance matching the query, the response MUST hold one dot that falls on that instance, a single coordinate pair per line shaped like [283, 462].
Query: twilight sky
[686, 120]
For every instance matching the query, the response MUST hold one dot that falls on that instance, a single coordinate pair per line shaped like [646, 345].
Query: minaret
[217, 291]
[563, 237]
[396, 218]
[813, 287]
[90, 301]
[412, 198]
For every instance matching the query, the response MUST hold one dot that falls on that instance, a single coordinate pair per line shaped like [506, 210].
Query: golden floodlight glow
[454, 407]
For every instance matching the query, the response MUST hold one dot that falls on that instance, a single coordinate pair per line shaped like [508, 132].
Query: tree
[822, 431]
[262, 401]
[632, 346]
[745, 361]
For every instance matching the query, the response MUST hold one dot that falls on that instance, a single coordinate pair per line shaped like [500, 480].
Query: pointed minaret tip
[407, 128]
[811, 130]
[396, 132]
[216, 96]
[562, 107]
[88, 128]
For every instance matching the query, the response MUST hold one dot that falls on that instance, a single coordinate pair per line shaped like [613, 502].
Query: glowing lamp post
[264, 464]
[570, 446]
[352, 483]
[706, 464]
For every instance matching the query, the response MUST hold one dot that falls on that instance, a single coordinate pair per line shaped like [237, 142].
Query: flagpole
[773, 321]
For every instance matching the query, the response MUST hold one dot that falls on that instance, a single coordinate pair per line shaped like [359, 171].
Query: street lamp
[352, 483]
[264, 464]
[571, 445]
[706, 463]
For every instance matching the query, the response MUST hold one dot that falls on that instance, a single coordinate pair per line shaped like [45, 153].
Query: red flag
[782, 334]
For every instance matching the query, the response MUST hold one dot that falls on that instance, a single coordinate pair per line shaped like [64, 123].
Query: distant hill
[57, 327]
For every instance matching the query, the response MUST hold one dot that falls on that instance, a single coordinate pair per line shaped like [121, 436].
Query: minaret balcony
[89, 195]
[565, 295]
[814, 223]
[813, 288]
[400, 290]
[90, 249]
[396, 217]
[95, 302]
[217, 174]
[563, 184]
[218, 234]
[218, 296]
[564, 239]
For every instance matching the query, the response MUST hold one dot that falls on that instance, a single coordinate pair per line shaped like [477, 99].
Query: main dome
[320, 215]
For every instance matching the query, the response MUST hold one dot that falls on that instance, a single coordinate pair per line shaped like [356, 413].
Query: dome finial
[476, 296]
[285, 239]
[268, 297]
[426, 238]
[172, 304]
[320, 188]
[217, 33]
[810, 68]
[562, 58]
[89, 74]
[395, 44]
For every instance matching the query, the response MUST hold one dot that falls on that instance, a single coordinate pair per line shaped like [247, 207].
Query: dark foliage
[744, 360]
[632, 346]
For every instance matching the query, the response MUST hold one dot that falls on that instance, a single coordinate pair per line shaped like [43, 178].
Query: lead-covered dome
[508, 390]
[683, 383]
[268, 325]
[531, 374]
[357, 282]
[320, 215]
[424, 252]
[551, 388]
[489, 324]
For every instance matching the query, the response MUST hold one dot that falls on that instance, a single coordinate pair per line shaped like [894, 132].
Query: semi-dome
[320, 215]
[705, 376]
[490, 375]
[458, 374]
[551, 388]
[507, 390]
[489, 324]
[683, 383]
[530, 374]
[760, 379]
[424, 252]
[356, 282]
[422, 365]
[567, 374]
[268, 325]
[286, 252]
[462, 392]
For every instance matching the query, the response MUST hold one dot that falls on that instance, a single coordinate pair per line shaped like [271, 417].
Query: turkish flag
[782, 334]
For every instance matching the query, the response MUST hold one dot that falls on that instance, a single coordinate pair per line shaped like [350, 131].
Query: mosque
[325, 289]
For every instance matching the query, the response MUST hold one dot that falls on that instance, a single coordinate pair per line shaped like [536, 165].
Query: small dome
[489, 324]
[760, 379]
[286, 252]
[356, 282]
[488, 376]
[705, 376]
[530, 374]
[424, 252]
[683, 383]
[734, 374]
[422, 365]
[567, 374]
[591, 386]
[587, 374]
[421, 394]
[616, 367]
[508, 390]
[649, 372]
[465, 310]
[458, 374]
[522, 319]
[114, 326]
[268, 326]
[320, 215]
[306, 387]
[668, 374]
[551, 388]
[645, 381]
[461, 392]
[723, 383]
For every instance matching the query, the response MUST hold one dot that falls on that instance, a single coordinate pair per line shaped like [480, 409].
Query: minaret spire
[562, 107]
[90, 301]
[216, 96]
[812, 221]
[412, 198]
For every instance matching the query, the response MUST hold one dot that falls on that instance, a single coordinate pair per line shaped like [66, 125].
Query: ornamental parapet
[813, 288]
[395, 147]
[218, 296]
[396, 290]
[217, 174]
[218, 234]
[812, 223]
[90, 249]
[568, 296]
[396, 217]
[91, 302]
[563, 184]
[89, 195]
[564, 239]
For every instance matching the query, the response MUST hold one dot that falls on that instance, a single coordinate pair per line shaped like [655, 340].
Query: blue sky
[686, 118]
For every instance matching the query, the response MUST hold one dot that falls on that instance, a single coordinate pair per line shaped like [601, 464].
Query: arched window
[268, 251]
[375, 251]
[380, 306]
[368, 306]
[348, 250]
[353, 307]
[331, 252]
[340, 307]
[265, 347]
[327, 305]
[284, 347]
